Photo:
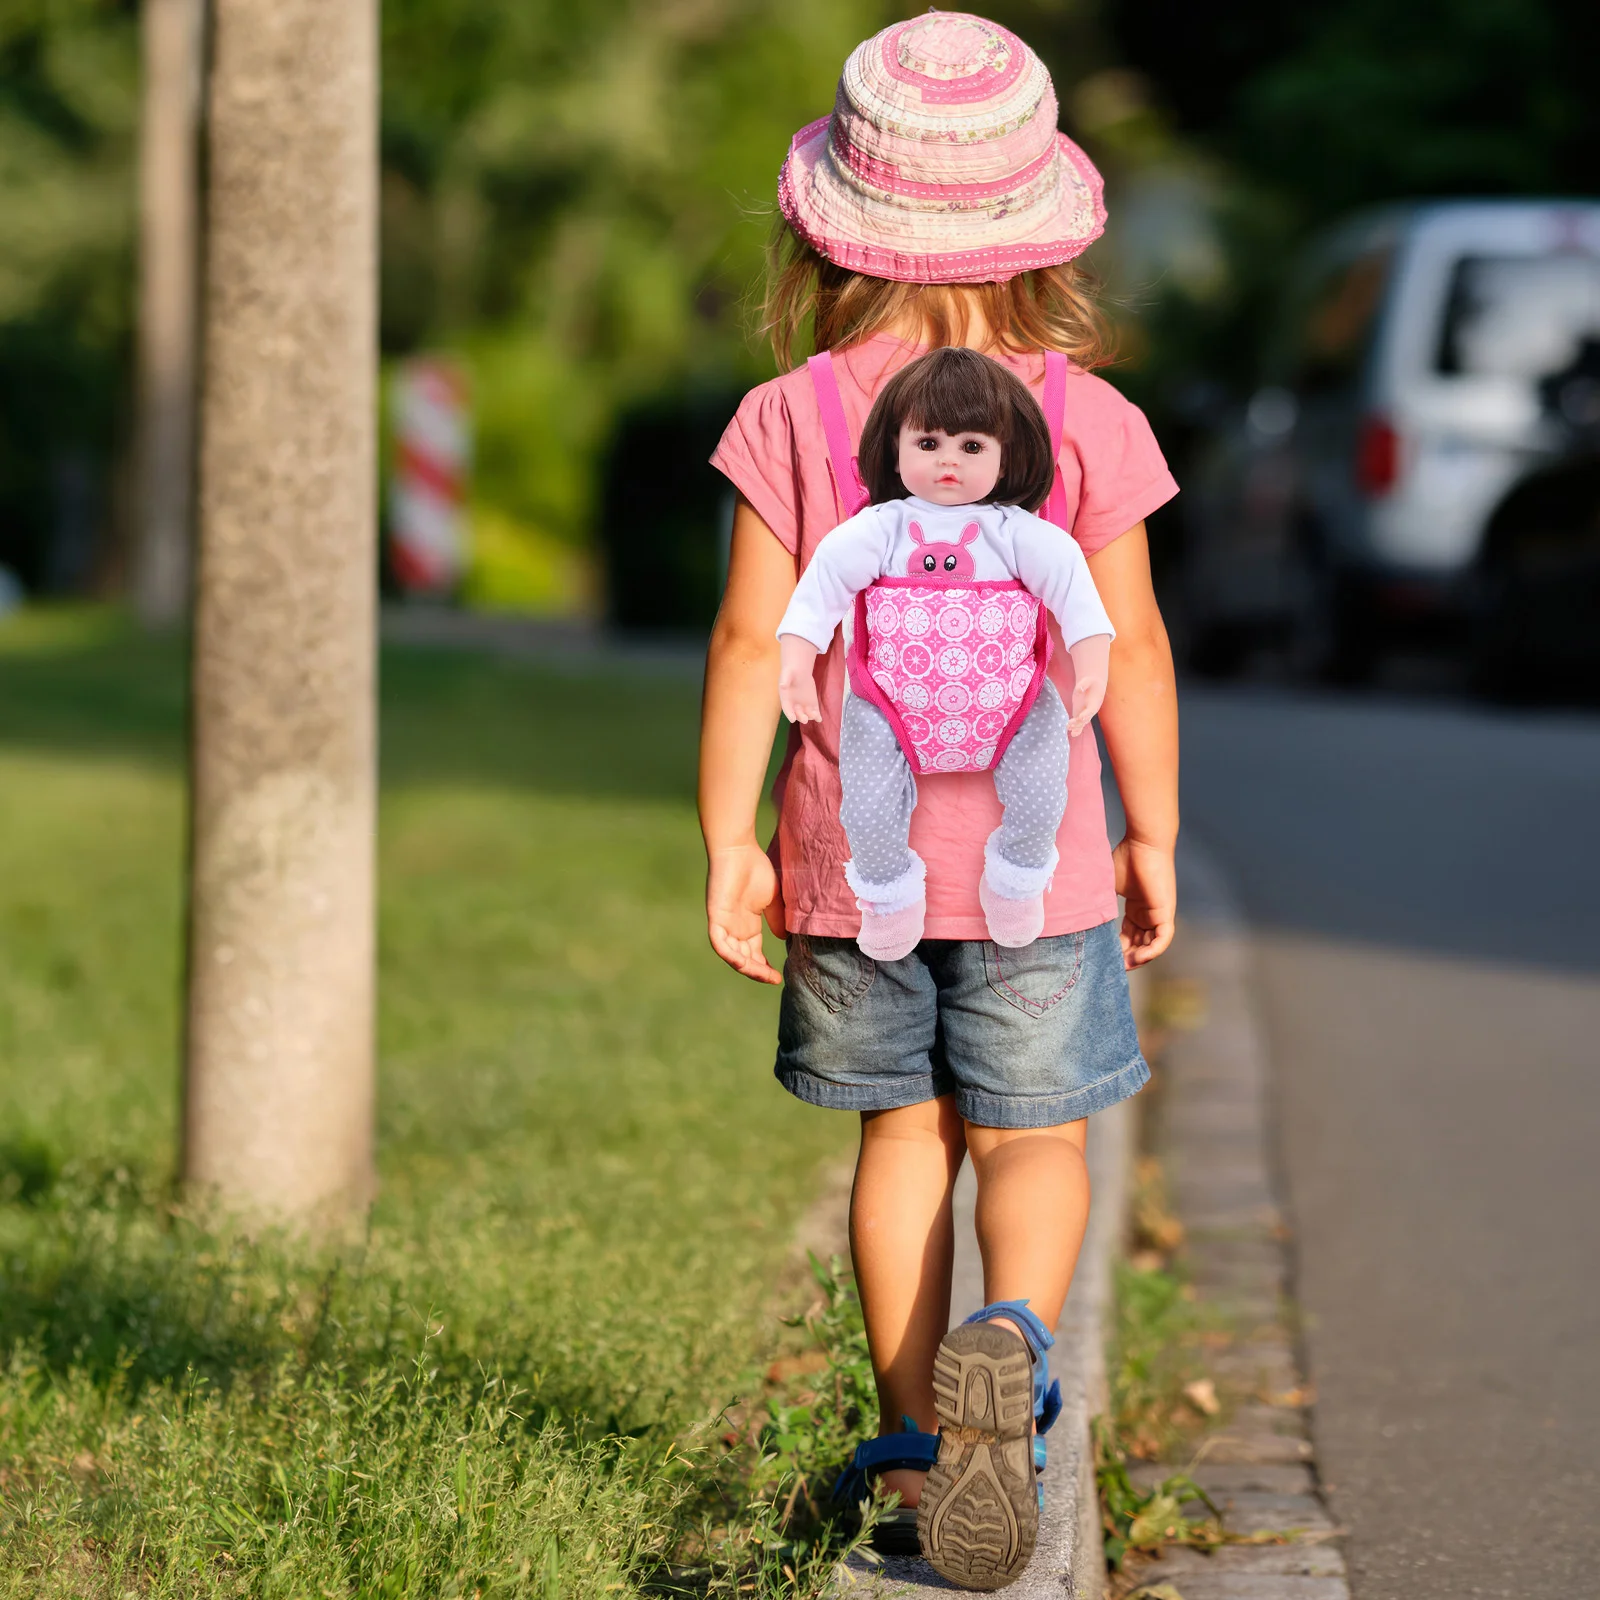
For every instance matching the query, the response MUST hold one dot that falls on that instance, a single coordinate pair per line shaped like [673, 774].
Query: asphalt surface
[1423, 883]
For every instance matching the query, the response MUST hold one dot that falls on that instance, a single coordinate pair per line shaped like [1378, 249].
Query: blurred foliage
[68, 114]
[1340, 103]
[68, 120]
[574, 199]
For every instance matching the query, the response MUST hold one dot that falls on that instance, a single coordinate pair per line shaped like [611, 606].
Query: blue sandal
[978, 1518]
[895, 1533]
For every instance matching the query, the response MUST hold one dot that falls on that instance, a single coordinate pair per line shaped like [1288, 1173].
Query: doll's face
[948, 469]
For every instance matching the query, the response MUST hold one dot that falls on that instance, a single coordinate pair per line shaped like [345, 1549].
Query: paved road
[1424, 885]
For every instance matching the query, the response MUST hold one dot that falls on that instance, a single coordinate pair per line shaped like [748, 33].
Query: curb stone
[1212, 1131]
[1068, 1561]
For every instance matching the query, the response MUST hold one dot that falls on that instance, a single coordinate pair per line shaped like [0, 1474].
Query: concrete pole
[169, 176]
[279, 1080]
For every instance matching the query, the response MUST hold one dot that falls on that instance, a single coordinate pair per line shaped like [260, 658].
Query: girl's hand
[1140, 722]
[797, 683]
[1148, 882]
[741, 889]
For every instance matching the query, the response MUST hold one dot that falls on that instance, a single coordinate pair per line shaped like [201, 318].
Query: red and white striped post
[433, 448]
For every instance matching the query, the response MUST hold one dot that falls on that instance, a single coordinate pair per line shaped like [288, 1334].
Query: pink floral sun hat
[941, 162]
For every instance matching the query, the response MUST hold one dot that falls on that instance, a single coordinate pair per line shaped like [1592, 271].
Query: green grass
[589, 1177]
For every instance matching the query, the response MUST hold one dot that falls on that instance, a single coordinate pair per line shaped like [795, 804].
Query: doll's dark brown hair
[956, 390]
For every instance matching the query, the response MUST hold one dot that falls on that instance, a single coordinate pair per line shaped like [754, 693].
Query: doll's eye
[927, 443]
[973, 447]
[930, 563]
[949, 563]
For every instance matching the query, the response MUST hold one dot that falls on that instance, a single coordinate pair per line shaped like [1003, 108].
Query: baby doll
[950, 574]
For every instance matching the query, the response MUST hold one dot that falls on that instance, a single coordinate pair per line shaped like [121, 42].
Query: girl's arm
[1140, 721]
[739, 716]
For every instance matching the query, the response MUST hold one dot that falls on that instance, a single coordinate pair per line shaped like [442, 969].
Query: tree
[169, 176]
[279, 1079]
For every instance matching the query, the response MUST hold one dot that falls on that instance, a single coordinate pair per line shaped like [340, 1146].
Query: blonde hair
[1049, 308]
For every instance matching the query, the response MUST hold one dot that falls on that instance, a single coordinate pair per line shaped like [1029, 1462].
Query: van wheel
[1535, 636]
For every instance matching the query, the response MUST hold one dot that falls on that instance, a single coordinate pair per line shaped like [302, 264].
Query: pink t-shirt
[774, 453]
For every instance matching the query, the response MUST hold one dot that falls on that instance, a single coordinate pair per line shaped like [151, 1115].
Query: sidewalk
[1211, 1127]
[1209, 1122]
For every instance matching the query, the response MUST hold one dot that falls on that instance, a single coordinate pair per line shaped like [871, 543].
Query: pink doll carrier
[954, 662]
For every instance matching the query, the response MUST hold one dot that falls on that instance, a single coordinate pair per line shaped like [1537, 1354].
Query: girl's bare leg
[1033, 1205]
[902, 1242]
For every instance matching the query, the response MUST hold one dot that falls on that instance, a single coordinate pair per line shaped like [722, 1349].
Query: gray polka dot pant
[880, 794]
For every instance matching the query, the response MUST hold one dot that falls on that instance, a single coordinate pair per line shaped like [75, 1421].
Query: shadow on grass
[98, 1272]
[101, 1274]
[106, 1277]
[85, 683]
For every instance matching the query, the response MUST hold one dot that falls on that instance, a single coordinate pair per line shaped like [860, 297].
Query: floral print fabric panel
[958, 668]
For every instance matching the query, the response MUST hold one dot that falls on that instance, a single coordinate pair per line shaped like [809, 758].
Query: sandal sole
[978, 1519]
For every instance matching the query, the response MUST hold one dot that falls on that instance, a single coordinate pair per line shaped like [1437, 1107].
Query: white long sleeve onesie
[1011, 543]
[896, 539]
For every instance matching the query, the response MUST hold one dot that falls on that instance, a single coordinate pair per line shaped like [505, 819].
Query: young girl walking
[938, 205]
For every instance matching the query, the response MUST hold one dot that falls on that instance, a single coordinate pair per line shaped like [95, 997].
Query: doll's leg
[879, 795]
[1031, 781]
[1020, 855]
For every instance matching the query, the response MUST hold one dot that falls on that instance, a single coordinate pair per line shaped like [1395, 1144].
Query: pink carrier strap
[848, 488]
[1055, 416]
[851, 492]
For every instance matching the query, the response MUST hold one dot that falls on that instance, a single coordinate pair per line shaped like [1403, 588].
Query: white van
[1426, 448]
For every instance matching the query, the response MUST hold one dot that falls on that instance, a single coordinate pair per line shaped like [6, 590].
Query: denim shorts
[1022, 1038]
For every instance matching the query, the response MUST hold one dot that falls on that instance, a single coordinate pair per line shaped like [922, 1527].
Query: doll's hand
[1091, 666]
[797, 684]
[741, 888]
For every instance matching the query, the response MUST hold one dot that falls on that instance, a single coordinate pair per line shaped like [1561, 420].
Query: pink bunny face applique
[939, 561]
